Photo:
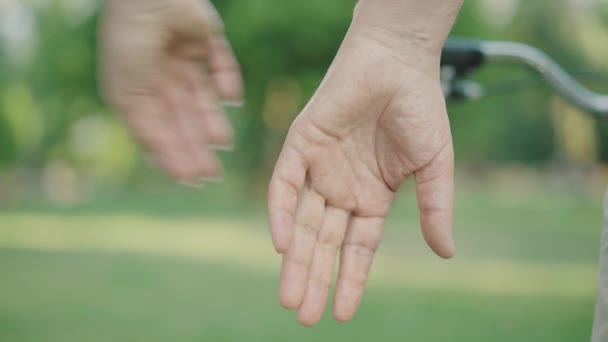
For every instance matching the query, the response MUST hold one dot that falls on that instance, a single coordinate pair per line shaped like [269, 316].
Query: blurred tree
[284, 47]
[8, 147]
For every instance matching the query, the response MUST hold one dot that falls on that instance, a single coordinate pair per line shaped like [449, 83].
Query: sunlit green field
[525, 271]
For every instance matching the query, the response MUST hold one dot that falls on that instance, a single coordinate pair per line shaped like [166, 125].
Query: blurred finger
[203, 163]
[225, 70]
[360, 244]
[329, 240]
[215, 120]
[287, 181]
[158, 134]
[297, 259]
[435, 191]
[208, 115]
[200, 36]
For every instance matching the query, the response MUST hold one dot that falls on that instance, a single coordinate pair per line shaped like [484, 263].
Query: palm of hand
[373, 122]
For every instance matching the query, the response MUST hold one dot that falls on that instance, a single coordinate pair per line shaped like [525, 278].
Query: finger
[201, 35]
[297, 259]
[208, 114]
[360, 244]
[157, 133]
[192, 142]
[225, 70]
[214, 119]
[435, 191]
[329, 241]
[287, 180]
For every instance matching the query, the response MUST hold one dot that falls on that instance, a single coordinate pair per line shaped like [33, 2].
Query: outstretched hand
[166, 65]
[378, 117]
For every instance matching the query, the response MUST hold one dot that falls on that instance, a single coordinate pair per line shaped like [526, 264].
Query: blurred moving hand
[166, 65]
[378, 117]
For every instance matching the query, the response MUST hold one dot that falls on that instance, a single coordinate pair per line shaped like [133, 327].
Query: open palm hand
[374, 121]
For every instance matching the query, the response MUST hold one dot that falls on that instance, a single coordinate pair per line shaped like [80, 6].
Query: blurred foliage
[172, 271]
[48, 80]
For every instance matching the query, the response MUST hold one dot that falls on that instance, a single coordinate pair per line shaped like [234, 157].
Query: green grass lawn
[525, 272]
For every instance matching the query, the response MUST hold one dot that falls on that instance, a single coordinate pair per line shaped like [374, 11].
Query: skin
[166, 66]
[378, 117]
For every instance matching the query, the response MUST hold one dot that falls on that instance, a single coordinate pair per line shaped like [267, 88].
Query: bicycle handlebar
[464, 56]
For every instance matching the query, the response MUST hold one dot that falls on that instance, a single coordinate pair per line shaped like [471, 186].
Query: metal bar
[557, 78]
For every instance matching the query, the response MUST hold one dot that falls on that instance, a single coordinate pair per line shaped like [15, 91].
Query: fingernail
[226, 148]
[219, 179]
[237, 103]
[191, 184]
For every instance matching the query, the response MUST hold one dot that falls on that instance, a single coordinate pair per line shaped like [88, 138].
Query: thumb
[435, 192]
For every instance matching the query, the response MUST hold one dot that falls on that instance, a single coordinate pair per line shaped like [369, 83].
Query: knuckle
[331, 238]
[361, 249]
[298, 260]
[308, 228]
[354, 279]
[321, 279]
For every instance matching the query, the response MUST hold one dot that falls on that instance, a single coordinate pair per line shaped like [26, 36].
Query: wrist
[412, 24]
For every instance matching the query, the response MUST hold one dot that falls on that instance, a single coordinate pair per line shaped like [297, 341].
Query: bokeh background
[98, 245]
